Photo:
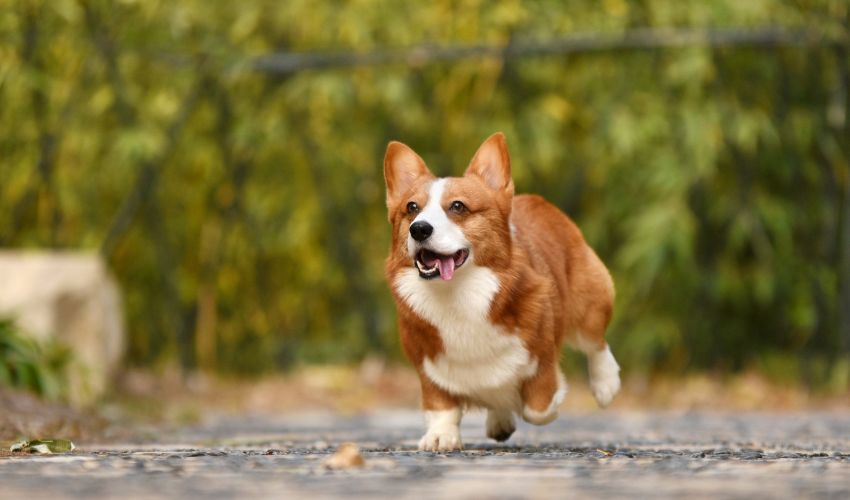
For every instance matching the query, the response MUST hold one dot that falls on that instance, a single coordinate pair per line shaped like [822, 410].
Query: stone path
[601, 454]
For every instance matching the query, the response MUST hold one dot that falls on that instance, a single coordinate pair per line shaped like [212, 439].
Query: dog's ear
[402, 166]
[492, 163]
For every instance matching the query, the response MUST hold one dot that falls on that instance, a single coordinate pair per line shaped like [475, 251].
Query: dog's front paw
[535, 417]
[500, 424]
[441, 440]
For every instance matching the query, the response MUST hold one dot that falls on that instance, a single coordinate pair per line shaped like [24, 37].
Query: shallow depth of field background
[240, 204]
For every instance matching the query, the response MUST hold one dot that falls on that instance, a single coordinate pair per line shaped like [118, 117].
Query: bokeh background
[224, 159]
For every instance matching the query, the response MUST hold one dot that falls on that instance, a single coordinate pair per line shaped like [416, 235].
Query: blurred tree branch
[225, 201]
[842, 53]
[48, 139]
[637, 39]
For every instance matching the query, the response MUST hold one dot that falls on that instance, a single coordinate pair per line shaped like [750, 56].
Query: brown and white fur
[488, 286]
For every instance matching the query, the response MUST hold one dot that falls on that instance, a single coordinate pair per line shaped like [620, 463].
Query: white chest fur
[480, 360]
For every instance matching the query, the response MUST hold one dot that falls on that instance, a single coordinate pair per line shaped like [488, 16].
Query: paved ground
[604, 454]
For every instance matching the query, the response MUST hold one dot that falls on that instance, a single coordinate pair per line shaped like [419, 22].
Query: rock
[68, 297]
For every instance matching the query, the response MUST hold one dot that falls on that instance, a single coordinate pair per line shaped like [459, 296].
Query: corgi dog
[488, 286]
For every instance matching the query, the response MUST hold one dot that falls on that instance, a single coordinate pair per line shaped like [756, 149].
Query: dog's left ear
[492, 163]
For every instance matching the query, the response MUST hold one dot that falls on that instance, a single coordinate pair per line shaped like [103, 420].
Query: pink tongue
[447, 267]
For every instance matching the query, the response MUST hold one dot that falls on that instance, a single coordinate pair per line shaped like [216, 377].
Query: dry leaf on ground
[347, 456]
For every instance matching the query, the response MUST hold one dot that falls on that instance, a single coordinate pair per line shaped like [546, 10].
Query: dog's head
[440, 224]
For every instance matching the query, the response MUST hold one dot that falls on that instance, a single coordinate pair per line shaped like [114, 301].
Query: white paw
[604, 376]
[500, 424]
[551, 412]
[441, 440]
[539, 417]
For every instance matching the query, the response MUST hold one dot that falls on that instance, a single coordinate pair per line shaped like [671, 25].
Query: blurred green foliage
[243, 213]
[27, 364]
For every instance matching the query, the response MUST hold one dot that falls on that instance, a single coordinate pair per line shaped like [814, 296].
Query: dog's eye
[457, 207]
[412, 208]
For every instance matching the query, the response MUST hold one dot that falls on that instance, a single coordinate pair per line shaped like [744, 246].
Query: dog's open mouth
[431, 264]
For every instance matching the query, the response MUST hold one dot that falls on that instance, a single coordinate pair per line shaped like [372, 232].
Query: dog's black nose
[421, 230]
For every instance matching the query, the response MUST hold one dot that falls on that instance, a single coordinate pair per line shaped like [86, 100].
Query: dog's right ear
[402, 167]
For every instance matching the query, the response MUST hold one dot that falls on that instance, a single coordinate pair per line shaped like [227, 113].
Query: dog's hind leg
[589, 338]
[593, 301]
[602, 368]
[604, 375]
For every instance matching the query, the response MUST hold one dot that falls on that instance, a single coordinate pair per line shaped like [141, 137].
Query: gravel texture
[600, 454]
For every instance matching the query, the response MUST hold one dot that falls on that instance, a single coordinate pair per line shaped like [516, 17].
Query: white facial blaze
[447, 237]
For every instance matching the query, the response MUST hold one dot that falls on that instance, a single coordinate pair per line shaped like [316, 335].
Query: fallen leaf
[43, 446]
[347, 456]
